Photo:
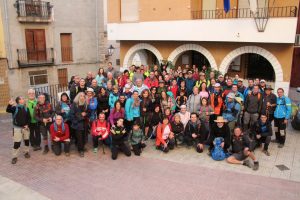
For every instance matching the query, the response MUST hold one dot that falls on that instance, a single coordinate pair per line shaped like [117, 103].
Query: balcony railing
[33, 11]
[288, 11]
[31, 58]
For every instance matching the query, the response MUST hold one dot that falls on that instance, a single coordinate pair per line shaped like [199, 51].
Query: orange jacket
[218, 108]
[159, 133]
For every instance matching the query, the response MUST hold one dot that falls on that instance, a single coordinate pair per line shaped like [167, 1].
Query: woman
[63, 107]
[168, 114]
[116, 113]
[92, 104]
[165, 139]
[178, 129]
[146, 107]
[182, 87]
[103, 105]
[193, 103]
[123, 80]
[114, 96]
[205, 112]
[154, 95]
[78, 116]
[165, 101]
[203, 90]
[132, 110]
[156, 118]
[100, 77]
[211, 87]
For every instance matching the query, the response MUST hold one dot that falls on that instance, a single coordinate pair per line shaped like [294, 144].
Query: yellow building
[252, 41]
[4, 88]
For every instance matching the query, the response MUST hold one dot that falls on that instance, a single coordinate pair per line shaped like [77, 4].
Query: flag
[253, 5]
[226, 5]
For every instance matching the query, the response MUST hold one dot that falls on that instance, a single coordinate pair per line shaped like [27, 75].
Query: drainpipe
[97, 33]
[7, 32]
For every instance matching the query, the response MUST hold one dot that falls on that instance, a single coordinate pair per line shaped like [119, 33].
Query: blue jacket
[283, 108]
[131, 111]
[112, 99]
[190, 83]
[231, 113]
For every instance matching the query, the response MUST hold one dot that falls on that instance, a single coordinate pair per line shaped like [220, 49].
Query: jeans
[137, 148]
[117, 147]
[35, 135]
[57, 147]
[280, 130]
[80, 136]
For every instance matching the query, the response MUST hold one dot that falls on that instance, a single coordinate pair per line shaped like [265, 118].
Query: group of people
[185, 106]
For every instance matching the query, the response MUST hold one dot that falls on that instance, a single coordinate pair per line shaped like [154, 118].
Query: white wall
[278, 30]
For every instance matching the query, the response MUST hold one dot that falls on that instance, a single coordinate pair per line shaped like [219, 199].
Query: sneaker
[37, 148]
[280, 145]
[266, 152]
[255, 166]
[95, 150]
[27, 155]
[46, 150]
[81, 153]
[247, 163]
[67, 154]
[14, 161]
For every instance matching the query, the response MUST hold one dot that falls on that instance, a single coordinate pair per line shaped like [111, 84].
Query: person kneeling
[136, 139]
[118, 134]
[165, 139]
[240, 149]
[60, 134]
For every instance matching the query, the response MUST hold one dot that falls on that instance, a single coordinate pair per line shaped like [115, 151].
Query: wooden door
[35, 44]
[62, 76]
[66, 47]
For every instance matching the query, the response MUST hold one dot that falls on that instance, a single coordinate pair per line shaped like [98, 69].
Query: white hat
[90, 90]
[217, 85]
[127, 86]
[231, 95]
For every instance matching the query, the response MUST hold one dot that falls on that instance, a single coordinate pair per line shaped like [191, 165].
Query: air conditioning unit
[297, 40]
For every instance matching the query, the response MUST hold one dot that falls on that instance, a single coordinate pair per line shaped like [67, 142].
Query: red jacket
[174, 90]
[151, 83]
[62, 135]
[159, 134]
[100, 128]
[122, 81]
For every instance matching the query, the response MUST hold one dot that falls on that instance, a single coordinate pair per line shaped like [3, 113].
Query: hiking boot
[247, 163]
[14, 161]
[255, 166]
[274, 141]
[46, 150]
[81, 153]
[280, 145]
[37, 148]
[95, 150]
[27, 155]
[67, 154]
[266, 152]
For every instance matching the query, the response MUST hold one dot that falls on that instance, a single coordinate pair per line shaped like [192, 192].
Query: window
[35, 44]
[66, 47]
[118, 62]
[38, 77]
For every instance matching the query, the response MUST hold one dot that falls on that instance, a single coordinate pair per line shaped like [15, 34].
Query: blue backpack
[218, 153]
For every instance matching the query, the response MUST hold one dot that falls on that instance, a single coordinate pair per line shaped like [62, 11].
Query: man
[75, 82]
[35, 135]
[161, 87]
[21, 120]
[219, 129]
[249, 88]
[241, 87]
[227, 88]
[253, 104]
[262, 85]
[282, 114]
[194, 101]
[44, 114]
[269, 103]
[235, 91]
[202, 78]
[262, 129]
[151, 81]
[221, 80]
[95, 87]
[110, 69]
[140, 86]
[232, 111]
[138, 75]
[89, 78]
[75, 89]
[189, 83]
[195, 133]
[241, 150]
[60, 134]
[216, 102]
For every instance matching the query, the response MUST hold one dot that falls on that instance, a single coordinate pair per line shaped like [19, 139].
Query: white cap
[127, 86]
[217, 85]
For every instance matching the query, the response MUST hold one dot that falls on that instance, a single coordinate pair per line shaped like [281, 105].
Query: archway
[227, 61]
[145, 52]
[179, 51]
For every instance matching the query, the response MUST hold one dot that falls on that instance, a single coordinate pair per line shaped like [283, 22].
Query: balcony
[269, 12]
[30, 11]
[35, 58]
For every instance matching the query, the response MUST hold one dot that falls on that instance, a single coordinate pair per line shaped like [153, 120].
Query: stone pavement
[181, 174]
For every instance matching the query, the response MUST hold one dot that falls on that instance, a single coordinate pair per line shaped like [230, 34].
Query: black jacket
[78, 121]
[22, 117]
[258, 128]
[177, 128]
[239, 143]
[223, 132]
[118, 137]
[199, 130]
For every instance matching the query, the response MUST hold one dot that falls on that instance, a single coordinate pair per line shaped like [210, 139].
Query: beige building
[252, 41]
[47, 42]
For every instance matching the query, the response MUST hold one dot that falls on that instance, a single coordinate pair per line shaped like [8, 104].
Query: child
[118, 133]
[21, 120]
[136, 139]
[165, 139]
[181, 100]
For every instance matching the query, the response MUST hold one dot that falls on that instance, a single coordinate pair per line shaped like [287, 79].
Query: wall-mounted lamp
[110, 51]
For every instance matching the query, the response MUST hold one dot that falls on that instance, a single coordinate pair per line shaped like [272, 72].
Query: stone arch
[141, 46]
[193, 47]
[256, 50]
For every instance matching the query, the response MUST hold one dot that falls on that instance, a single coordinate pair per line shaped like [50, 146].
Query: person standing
[194, 101]
[269, 103]
[35, 134]
[21, 121]
[281, 116]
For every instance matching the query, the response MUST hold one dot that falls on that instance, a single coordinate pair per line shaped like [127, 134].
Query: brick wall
[4, 88]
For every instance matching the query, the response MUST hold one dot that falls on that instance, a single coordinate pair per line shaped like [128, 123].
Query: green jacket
[136, 137]
[31, 104]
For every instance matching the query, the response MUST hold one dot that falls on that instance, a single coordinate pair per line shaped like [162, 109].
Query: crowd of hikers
[185, 106]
